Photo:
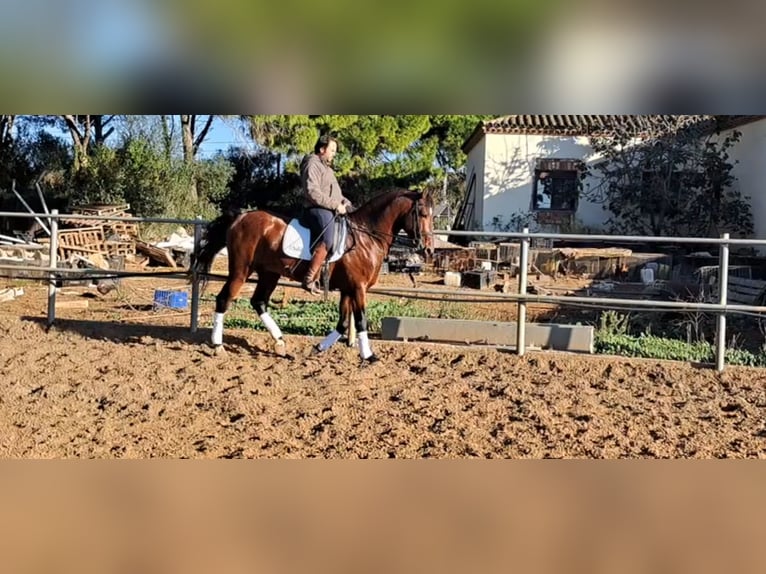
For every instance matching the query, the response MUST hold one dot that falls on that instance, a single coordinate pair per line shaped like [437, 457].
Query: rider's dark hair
[324, 141]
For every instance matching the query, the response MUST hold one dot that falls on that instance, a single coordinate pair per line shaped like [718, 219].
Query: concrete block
[10, 294]
[452, 278]
[544, 336]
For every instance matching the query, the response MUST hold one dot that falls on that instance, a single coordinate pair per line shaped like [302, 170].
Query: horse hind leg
[267, 282]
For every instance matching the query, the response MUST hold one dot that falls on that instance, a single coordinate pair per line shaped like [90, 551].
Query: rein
[396, 239]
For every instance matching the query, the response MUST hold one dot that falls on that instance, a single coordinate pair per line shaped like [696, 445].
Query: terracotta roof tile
[587, 125]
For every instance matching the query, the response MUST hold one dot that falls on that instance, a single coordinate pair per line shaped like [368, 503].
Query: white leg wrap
[364, 345]
[272, 327]
[329, 340]
[217, 337]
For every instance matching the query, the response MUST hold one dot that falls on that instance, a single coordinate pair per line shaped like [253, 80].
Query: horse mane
[372, 208]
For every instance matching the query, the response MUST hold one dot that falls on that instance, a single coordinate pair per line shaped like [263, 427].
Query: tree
[28, 154]
[87, 132]
[375, 151]
[191, 139]
[451, 132]
[257, 181]
[675, 185]
[7, 155]
[6, 129]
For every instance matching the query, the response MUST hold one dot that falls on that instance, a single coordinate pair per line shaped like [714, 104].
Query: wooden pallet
[124, 229]
[103, 209]
[82, 237]
[745, 291]
[78, 222]
[161, 256]
[84, 241]
[739, 290]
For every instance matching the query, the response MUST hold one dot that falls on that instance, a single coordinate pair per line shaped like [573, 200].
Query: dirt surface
[118, 380]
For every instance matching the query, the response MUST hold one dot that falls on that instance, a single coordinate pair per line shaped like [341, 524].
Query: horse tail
[212, 240]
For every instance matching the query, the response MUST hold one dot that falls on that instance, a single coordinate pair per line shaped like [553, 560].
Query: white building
[750, 168]
[525, 167]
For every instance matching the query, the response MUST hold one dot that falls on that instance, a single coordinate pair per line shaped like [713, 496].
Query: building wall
[508, 160]
[475, 164]
[750, 153]
[509, 166]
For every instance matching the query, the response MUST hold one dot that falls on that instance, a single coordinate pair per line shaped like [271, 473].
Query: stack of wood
[18, 252]
[94, 243]
[116, 237]
[122, 237]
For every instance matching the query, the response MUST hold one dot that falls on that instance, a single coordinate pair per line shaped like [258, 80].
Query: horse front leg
[360, 322]
[267, 282]
[344, 312]
[224, 298]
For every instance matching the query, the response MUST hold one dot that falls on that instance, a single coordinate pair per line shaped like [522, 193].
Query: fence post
[723, 286]
[522, 306]
[54, 229]
[195, 277]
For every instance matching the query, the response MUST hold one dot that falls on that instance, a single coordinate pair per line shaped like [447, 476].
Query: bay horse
[255, 241]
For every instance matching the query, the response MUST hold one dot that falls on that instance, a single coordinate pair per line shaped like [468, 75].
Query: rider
[322, 199]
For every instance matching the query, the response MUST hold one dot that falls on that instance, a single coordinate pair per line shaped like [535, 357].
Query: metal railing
[55, 273]
[522, 298]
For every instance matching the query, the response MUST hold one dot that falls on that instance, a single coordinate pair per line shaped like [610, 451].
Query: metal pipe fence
[522, 298]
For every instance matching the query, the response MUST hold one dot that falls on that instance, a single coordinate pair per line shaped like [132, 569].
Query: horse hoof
[371, 359]
[219, 351]
[280, 348]
[315, 350]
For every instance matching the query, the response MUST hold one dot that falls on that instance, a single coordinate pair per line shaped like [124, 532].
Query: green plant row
[318, 318]
[651, 347]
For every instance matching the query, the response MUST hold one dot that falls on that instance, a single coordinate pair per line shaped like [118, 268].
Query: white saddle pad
[297, 238]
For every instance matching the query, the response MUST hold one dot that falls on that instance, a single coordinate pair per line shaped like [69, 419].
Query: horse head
[418, 221]
[387, 214]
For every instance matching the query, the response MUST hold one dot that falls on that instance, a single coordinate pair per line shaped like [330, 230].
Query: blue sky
[222, 135]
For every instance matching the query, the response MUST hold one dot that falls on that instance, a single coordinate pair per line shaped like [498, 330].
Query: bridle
[417, 241]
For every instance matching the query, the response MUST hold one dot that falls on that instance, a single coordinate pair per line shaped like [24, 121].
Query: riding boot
[309, 280]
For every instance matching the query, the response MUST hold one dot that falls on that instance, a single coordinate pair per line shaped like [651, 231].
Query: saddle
[298, 238]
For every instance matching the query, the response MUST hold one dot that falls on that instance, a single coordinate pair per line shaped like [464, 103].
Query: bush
[651, 347]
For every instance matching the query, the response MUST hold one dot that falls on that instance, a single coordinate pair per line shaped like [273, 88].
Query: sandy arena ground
[118, 380]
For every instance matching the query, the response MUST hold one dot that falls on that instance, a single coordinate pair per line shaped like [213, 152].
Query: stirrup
[311, 288]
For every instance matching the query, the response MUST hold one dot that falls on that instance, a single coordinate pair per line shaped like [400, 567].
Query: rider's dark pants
[318, 219]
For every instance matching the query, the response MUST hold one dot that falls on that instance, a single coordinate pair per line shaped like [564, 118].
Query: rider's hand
[341, 209]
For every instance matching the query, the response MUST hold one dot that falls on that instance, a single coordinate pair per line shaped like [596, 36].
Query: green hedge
[318, 318]
[651, 347]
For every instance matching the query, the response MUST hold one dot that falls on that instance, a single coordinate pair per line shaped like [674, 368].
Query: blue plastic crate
[170, 299]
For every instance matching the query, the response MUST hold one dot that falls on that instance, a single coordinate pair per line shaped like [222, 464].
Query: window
[556, 185]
